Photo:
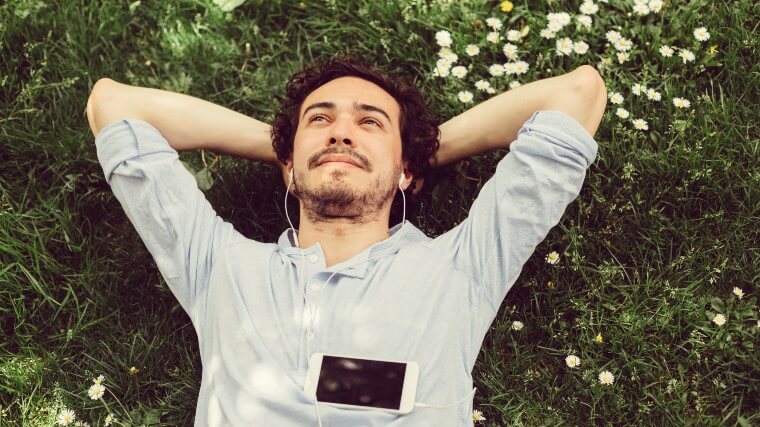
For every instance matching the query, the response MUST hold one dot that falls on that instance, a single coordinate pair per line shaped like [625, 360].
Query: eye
[315, 117]
[371, 121]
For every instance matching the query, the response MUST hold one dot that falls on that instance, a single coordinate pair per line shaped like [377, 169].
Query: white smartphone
[359, 383]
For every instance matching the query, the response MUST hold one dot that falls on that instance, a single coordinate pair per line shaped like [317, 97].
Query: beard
[337, 198]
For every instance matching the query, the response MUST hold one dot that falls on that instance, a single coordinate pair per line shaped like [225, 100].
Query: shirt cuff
[126, 139]
[565, 128]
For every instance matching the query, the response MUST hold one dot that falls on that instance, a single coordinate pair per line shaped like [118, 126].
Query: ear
[285, 170]
[408, 176]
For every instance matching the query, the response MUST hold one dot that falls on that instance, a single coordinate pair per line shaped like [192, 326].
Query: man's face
[357, 119]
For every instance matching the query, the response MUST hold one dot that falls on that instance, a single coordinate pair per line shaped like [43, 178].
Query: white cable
[303, 288]
[313, 313]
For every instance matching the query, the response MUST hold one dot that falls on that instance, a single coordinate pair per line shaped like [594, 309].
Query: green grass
[665, 226]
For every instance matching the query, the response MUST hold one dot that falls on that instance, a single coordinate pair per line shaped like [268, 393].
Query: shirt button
[310, 335]
[313, 258]
[314, 287]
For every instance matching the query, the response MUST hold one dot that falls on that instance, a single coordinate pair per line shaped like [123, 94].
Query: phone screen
[361, 382]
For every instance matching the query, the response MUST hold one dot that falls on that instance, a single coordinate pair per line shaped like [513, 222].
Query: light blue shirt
[422, 299]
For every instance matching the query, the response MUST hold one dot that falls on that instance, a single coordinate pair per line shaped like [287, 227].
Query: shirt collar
[400, 234]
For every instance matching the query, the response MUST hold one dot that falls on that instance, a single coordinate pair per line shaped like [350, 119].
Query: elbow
[96, 96]
[593, 91]
[592, 86]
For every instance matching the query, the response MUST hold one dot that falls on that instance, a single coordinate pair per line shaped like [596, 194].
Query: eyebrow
[357, 106]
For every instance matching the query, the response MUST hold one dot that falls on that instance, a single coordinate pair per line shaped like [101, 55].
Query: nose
[341, 131]
[333, 140]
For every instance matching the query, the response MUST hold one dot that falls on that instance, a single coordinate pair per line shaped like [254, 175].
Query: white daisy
[584, 20]
[738, 292]
[622, 113]
[496, 70]
[442, 68]
[564, 46]
[459, 72]
[606, 377]
[613, 36]
[552, 257]
[493, 37]
[472, 50]
[465, 96]
[448, 54]
[494, 23]
[521, 67]
[666, 51]
[517, 325]
[681, 102]
[547, 33]
[562, 18]
[514, 83]
[514, 35]
[443, 38]
[510, 51]
[701, 34]
[622, 57]
[640, 124]
[572, 361]
[580, 47]
[640, 8]
[510, 68]
[637, 89]
[589, 8]
[616, 98]
[623, 44]
[65, 417]
[655, 5]
[96, 391]
[554, 26]
[482, 85]
[686, 55]
[653, 95]
[477, 416]
[719, 319]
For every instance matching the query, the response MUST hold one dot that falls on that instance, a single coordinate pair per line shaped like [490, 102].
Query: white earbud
[285, 206]
[401, 180]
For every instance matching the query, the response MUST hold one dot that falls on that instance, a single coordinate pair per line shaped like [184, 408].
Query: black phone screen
[361, 382]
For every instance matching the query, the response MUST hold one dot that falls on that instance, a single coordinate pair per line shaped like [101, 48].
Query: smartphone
[360, 383]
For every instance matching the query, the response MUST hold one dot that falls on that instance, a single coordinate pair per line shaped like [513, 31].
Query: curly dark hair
[419, 127]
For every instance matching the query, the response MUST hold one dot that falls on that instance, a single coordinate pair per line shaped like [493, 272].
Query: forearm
[494, 123]
[187, 123]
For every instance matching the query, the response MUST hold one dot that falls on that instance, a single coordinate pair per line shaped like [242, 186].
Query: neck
[340, 238]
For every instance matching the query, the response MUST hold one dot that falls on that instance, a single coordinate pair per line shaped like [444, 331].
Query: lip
[336, 158]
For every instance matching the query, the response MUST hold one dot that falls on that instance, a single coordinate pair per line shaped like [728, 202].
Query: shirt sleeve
[161, 198]
[527, 195]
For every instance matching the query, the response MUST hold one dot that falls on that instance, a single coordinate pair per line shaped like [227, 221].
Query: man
[347, 138]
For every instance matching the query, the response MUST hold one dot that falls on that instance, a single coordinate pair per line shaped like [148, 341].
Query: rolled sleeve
[161, 198]
[515, 209]
[128, 139]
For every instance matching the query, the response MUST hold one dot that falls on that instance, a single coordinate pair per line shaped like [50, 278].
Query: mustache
[314, 159]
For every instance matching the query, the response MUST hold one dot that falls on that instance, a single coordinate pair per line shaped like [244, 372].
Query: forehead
[345, 91]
